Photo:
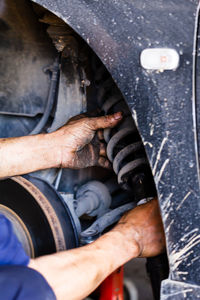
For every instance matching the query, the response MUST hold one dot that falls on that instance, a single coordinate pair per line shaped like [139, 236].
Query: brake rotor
[40, 218]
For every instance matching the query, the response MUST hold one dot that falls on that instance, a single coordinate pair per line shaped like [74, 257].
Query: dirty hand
[80, 141]
[144, 225]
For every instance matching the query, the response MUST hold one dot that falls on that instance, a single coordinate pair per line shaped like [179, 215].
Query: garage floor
[135, 271]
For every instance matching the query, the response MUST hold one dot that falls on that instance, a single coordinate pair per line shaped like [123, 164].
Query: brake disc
[40, 218]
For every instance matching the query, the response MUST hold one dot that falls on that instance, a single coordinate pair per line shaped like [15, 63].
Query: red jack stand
[112, 287]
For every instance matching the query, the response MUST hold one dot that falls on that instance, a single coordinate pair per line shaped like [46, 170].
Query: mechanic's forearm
[27, 154]
[76, 273]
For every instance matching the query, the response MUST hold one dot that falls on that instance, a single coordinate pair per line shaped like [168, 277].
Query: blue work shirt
[17, 281]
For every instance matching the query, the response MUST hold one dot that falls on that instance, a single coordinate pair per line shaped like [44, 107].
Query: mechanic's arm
[74, 274]
[72, 146]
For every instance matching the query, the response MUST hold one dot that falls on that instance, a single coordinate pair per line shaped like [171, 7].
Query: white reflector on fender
[159, 59]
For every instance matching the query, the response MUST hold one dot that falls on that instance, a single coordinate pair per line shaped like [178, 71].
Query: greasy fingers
[105, 121]
[78, 134]
[146, 222]
[104, 163]
[100, 135]
[102, 150]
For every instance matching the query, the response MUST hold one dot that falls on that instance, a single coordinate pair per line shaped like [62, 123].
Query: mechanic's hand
[80, 141]
[146, 227]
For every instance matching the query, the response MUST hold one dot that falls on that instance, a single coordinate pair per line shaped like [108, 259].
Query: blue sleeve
[11, 250]
[22, 283]
[17, 282]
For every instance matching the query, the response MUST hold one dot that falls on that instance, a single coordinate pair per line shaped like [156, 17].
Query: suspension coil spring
[124, 145]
